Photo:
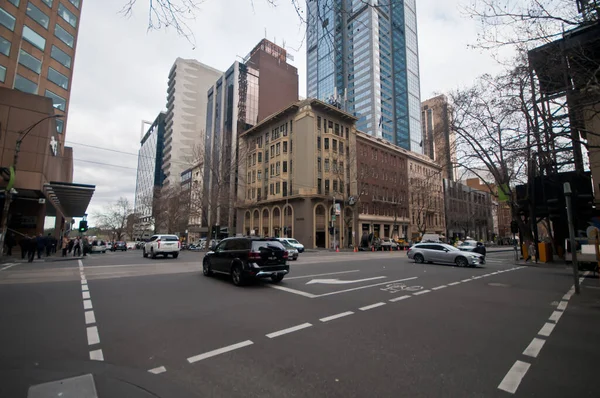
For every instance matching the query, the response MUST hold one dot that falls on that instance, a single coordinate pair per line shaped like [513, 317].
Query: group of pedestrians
[35, 245]
[75, 245]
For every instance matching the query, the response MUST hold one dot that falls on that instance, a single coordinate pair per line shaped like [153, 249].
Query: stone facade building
[468, 211]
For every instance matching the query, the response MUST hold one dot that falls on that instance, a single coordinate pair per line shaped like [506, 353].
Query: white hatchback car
[299, 246]
[162, 244]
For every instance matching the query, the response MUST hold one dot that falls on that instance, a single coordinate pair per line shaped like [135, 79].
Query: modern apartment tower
[363, 57]
[189, 80]
[38, 39]
[251, 90]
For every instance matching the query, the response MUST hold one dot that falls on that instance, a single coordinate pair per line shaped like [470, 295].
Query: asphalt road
[339, 325]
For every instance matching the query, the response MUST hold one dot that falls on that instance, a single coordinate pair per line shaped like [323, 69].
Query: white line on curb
[562, 305]
[556, 316]
[219, 351]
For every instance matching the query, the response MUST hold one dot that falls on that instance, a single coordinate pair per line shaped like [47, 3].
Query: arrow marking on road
[339, 282]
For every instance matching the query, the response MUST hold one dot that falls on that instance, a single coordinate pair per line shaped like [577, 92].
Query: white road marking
[562, 305]
[9, 266]
[96, 355]
[567, 296]
[421, 292]
[160, 369]
[368, 307]
[454, 283]
[336, 316]
[84, 281]
[547, 329]
[82, 276]
[341, 282]
[400, 298]
[329, 273]
[90, 317]
[219, 351]
[534, 348]
[92, 335]
[294, 291]
[476, 277]
[364, 287]
[513, 378]
[439, 287]
[466, 280]
[80, 263]
[288, 330]
[86, 295]
[84, 288]
[87, 304]
[556, 316]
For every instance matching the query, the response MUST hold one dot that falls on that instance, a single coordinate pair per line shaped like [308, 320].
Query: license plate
[273, 258]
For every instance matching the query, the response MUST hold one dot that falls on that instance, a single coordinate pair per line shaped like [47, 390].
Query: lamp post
[7, 194]
[569, 200]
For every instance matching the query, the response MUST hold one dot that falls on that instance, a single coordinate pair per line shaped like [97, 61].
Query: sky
[121, 71]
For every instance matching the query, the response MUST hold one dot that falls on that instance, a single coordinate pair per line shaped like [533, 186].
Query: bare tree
[171, 210]
[426, 199]
[114, 217]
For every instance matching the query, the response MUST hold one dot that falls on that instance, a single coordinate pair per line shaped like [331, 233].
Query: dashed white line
[9, 266]
[476, 277]
[160, 369]
[336, 316]
[534, 348]
[466, 280]
[369, 307]
[567, 296]
[84, 281]
[219, 351]
[84, 288]
[439, 287]
[513, 378]
[421, 292]
[85, 295]
[562, 305]
[96, 355]
[92, 335]
[547, 329]
[90, 317]
[288, 330]
[454, 283]
[556, 316]
[400, 298]
[87, 304]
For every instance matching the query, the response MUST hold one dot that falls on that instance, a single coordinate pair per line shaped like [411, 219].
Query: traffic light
[83, 226]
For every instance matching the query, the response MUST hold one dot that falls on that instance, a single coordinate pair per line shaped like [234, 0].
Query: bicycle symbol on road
[398, 287]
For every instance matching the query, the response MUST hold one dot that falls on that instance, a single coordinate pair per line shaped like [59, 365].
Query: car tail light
[178, 244]
[254, 255]
[285, 255]
[158, 241]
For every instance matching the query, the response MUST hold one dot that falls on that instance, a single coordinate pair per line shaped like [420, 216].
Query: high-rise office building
[38, 39]
[150, 175]
[261, 85]
[439, 141]
[189, 80]
[363, 57]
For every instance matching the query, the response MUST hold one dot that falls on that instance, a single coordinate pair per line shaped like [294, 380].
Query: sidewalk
[16, 258]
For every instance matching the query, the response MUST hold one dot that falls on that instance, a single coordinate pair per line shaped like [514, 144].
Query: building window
[63, 35]
[259, 142]
[267, 138]
[334, 145]
[266, 155]
[285, 146]
[248, 177]
[58, 78]
[260, 157]
[291, 126]
[342, 187]
[319, 122]
[326, 187]
[29, 61]
[319, 185]
[277, 168]
[285, 130]
[319, 143]
[2, 73]
[335, 184]
[326, 165]
[347, 134]
[272, 151]
[278, 148]
[254, 159]
[4, 46]
[272, 170]
[334, 164]
[326, 143]
[15, 2]
[7, 20]
[341, 148]
[67, 15]
[259, 175]
[48, 3]
[61, 56]
[253, 176]
[58, 101]
[285, 166]
[319, 164]
[37, 15]
[285, 193]
[74, 2]
[337, 129]
[34, 38]
[25, 85]
[258, 191]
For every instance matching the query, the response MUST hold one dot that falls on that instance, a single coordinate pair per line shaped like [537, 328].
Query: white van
[431, 238]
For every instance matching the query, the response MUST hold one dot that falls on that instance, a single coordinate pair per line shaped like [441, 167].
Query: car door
[434, 253]
[218, 259]
[440, 254]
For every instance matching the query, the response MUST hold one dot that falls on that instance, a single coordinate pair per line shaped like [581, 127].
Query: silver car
[443, 253]
[292, 251]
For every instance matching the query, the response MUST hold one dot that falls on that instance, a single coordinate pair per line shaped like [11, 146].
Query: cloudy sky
[121, 69]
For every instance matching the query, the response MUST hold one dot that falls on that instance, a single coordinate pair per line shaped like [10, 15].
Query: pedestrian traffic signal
[83, 226]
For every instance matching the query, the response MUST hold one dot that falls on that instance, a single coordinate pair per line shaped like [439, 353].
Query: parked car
[119, 246]
[130, 245]
[292, 251]
[246, 258]
[443, 253]
[388, 244]
[98, 246]
[294, 243]
[162, 245]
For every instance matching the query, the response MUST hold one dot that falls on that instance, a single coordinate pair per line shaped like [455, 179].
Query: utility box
[544, 252]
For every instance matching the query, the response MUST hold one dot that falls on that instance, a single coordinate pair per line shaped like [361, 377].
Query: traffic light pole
[569, 199]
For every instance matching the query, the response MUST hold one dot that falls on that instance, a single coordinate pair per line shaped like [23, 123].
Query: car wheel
[152, 254]
[419, 258]
[144, 254]
[175, 255]
[461, 262]
[206, 271]
[236, 275]
[277, 278]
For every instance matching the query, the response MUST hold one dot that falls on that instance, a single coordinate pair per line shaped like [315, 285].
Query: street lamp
[569, 202]
[8, 194]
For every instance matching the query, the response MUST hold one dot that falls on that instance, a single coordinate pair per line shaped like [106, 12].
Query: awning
[70, 199]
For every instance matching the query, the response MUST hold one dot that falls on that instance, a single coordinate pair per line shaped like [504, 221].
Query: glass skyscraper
[363, 57]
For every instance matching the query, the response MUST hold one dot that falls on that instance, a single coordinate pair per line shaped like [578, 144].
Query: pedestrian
[71, 243]
[40, 245]
[530, 251]
[24, 245]
[86, 246]
[31, 249]
[65, 245]
[77, 248]
[48, 245]
[480, 248]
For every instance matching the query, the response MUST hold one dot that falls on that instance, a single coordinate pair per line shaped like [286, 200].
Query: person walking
[40, 245]
[70, 246]
[24, 245]
[65, 245]
[31, 248]
[48, 245]
[77, 247]
[530, 251]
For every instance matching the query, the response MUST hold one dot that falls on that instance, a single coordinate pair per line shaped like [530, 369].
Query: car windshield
[286, 244]
[169, 238]
[293, 241]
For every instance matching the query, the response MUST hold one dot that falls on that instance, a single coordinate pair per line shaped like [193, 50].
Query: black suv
[118, 246]
[247, 258]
